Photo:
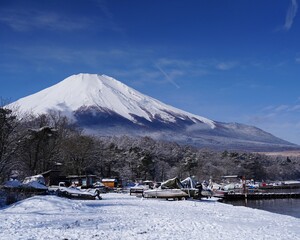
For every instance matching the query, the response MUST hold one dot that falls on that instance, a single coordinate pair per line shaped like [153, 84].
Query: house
[85, 181]
[53, 177]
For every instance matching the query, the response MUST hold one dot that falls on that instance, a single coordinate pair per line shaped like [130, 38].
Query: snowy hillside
[103, 93]
[104, 106]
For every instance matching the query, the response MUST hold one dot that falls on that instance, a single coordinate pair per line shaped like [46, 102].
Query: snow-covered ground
[120, 216]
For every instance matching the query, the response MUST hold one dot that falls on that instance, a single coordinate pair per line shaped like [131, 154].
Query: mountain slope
[105, 106]
[99, 92]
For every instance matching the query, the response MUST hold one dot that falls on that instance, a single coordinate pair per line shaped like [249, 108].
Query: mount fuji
[104, 106]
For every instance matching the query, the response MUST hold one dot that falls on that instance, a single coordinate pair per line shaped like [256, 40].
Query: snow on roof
[36, 178]
[109, 180]
[35, 184]
[230, 176]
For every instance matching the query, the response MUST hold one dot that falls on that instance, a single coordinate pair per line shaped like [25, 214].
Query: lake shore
[120, 216]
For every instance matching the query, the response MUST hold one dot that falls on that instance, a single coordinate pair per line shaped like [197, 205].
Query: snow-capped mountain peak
[101, 105]
[83, 91]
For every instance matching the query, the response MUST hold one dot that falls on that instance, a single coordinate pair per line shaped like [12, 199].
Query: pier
[231, 196]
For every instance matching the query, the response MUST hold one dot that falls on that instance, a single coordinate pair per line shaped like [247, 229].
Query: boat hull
[165, 193]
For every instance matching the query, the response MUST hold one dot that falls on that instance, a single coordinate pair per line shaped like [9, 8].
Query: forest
[31, 145]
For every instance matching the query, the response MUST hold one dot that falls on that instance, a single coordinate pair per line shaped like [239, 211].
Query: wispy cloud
[283, 108]
[25, 20]
[197, 67]
[139, 70]
[167, 76]
[276, 113]
[144, 67]
[35, 18]
[281, 120]
[290, 15]
[70, 55]
[108, 16]
[173, 69]
[226, 65]
[174, 62]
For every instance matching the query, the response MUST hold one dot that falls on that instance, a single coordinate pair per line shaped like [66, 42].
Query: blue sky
[229, 60]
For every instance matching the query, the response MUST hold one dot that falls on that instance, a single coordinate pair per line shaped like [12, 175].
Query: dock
[231, 196]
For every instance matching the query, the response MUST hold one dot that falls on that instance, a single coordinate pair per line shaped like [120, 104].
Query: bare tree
[9, 138]
[79, 153]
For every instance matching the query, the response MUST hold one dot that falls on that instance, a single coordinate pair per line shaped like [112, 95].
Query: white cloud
[291, 14]
[275, 113]
[281, 109]
[25, 20]
[29, 19]
[226, 65]
[295, 108]
[196, 67]
[281, 120]
[174, 62]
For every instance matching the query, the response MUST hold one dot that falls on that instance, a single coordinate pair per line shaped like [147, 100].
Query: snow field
[120, 216]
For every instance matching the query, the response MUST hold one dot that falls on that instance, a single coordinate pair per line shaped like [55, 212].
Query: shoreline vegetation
[38, 144]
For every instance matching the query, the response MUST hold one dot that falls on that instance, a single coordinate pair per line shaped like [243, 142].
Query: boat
[170, 189]
[139, 188]
[190, 187]
[75, 193]
[206, 192]
[165, 193]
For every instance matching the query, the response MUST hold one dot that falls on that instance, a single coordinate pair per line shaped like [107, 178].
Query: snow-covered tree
[9, 138]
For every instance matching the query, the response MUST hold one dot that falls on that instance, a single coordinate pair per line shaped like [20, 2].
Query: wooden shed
[53, 177]
[110, 182]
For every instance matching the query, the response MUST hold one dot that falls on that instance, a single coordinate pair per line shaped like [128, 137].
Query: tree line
[34, 144]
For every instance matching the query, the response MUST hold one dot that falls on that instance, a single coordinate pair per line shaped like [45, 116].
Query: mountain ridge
[104, 92]
[103, 105]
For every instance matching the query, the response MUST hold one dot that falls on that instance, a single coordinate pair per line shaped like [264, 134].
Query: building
[53, 177]
[110, 182]
[85, 181]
